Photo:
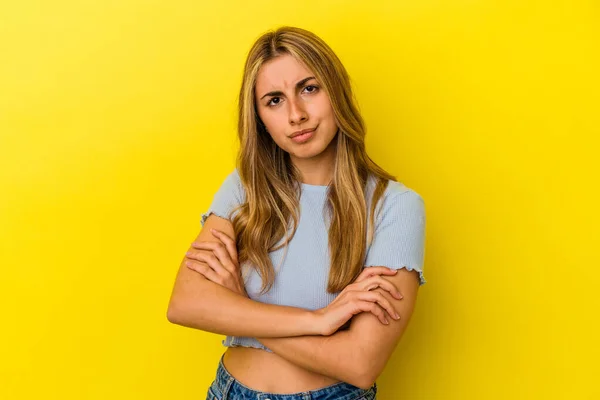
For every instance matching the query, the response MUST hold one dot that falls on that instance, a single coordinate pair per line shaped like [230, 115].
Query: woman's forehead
[280, 73]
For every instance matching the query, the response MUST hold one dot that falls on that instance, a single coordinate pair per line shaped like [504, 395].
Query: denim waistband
[231, 388]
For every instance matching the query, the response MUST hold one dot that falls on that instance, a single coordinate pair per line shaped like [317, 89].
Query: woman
[281, 268]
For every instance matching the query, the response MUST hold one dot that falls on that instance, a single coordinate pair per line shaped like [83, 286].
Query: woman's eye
[276, 100]
[270, 101]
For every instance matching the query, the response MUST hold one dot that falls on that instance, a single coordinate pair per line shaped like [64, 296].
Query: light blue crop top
[301, 281]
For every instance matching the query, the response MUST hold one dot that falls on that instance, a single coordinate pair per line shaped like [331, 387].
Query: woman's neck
[317, 170]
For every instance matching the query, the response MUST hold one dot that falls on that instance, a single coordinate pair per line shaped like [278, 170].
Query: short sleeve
[229, 195]
[399, 239]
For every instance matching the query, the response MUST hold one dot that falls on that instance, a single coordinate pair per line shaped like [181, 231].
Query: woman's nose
[297, 113]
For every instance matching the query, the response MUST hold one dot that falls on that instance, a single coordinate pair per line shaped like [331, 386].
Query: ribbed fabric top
[301, 281]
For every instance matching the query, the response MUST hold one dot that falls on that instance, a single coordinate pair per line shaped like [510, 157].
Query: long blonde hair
[271, 181]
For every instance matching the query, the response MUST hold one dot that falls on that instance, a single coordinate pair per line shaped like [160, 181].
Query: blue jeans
[226, 387]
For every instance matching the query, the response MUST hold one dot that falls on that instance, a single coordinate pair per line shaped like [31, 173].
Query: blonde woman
[311, 255]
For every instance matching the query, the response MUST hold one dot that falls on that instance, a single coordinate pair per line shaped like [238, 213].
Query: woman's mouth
[304, 137]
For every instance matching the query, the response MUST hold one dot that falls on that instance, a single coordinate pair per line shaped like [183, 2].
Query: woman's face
[288, 100]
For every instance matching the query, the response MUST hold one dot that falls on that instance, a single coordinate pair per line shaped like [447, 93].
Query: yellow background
[117, 125]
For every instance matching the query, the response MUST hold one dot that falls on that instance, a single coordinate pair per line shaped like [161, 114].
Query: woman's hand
[357, 298]
[221, 266]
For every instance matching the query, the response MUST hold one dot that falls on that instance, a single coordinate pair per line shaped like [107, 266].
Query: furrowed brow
[298, 86]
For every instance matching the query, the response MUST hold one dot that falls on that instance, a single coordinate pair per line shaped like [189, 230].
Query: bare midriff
[267, 372]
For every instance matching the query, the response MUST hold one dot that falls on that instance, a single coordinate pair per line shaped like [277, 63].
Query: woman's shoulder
[234, 175]
[398, 198]
[232, 186]
[234, 178]
[393, 188]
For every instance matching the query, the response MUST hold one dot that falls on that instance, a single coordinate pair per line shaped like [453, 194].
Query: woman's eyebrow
[298, 85]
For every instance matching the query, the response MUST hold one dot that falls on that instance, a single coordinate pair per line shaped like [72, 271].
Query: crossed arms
[290, 332]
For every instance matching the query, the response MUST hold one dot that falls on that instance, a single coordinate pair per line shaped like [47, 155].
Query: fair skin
[209, 305]
[287, 102]
[371, 340]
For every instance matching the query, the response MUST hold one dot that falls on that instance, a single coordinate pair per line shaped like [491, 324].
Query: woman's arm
[199, 303]
[358, 355]
[224, 308]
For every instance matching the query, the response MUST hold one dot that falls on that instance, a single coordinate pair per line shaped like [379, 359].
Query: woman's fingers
[211, 260]
[218, 249]
[228, 242]
[374, 282]
[375, 297]
[377, 281]
[368, 272]
[376, 310]
[203, 269]
[355, 301]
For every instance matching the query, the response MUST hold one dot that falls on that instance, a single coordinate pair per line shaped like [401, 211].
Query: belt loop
[227, 387]
[306, 396]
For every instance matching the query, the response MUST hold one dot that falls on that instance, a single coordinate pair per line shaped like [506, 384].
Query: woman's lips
[304, 137]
